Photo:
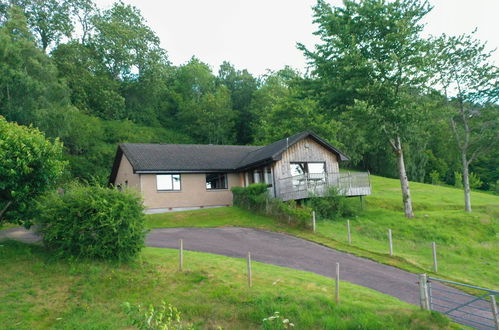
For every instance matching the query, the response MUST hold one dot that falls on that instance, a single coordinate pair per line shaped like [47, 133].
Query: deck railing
[306, 185]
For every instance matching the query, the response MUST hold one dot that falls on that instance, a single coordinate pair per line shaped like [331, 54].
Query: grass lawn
[467, 244]
[37, 291]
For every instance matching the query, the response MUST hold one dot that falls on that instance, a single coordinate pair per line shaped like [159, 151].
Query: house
[183, 176]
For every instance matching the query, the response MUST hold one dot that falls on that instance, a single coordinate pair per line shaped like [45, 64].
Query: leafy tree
[29, 165]
[49, 20]
[28, 79]
[372, 55]
[471, 81]
[123, 42]
[280, 110]
[242, 86]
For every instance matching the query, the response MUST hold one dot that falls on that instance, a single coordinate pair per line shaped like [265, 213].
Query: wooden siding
[306, 150]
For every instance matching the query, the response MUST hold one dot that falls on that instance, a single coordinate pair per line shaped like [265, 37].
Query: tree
[242, 86]
[124, 43]
[470, 82]
[372, 60]
[28, 78]
[49, 20]
[29, 165]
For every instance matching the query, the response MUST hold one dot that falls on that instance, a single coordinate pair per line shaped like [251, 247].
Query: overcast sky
[262, 34]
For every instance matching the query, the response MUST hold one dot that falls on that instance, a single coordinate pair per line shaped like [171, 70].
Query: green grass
[37, 291]
[467, 243]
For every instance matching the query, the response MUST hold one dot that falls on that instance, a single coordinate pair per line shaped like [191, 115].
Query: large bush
[29, 165]
[93, 222]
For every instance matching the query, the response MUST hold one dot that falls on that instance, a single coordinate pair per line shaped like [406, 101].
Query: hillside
[37, 291]
[467, 244]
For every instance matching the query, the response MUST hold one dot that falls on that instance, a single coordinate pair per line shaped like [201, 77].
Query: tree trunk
[404, 182]
[466, 183]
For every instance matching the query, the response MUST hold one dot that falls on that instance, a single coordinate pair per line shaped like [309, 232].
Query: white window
[168, 182]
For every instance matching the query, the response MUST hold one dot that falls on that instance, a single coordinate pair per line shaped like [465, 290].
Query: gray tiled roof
[204, 158]
[185, 157]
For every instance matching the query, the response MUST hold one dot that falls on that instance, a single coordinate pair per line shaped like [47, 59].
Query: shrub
[255, 198]
[333, 205]
[164, 317]
[93, 222]
[458, 180]
[435, 178]
[475, 181]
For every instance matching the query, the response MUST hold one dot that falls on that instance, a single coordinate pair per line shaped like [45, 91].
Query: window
[216, 181]
[316, 168]
[268, 176]
[298, 168]
[168, 182]
[307, 168]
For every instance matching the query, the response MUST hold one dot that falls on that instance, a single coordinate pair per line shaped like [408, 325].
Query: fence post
[313, 221]
[423, 292]
[337, 282]
[348, 233]
[494, 310]
[181, 255]
[435, 265]
[249, 270]
[390, 241]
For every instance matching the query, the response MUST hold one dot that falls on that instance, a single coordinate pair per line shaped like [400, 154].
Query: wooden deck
[307, 185]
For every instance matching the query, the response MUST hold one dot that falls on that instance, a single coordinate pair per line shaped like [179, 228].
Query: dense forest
[94, 78]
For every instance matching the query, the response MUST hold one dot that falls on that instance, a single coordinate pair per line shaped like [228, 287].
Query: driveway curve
[292, 252]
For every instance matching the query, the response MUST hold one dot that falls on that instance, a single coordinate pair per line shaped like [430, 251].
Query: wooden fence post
[249, 270]
[435, 265]
[348, 233]
[337, 282]
[494, 310]
[390, 241]
[181, 255]
[313, 221]
[423, 292]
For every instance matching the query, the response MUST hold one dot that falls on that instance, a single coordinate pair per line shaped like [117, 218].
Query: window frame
[172, 182]
[226, 181]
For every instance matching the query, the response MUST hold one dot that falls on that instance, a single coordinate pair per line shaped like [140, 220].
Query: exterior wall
[193, 192]
[299, 152]
[125, 173]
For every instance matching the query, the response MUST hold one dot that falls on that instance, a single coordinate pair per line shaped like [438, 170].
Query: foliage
[92, 222]
[256, 198]
[458, 180]
[435, 177]
[475, 182]
[29, 165]
[332, 206]
[164, 317]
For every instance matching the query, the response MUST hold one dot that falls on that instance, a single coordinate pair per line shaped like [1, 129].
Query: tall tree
[242, 86]
[372, 56]
[470, 81]
[126, 45]
[49, 20]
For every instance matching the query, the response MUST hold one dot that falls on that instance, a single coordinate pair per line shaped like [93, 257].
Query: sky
[261, 35]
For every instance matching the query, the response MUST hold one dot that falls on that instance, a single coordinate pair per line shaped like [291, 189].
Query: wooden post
[348, 233]
[390, 241]
[423, 292]
[494, 310]
[249, 270]
[337, 282]
[181, 255]
[313, 221]
[435, 265]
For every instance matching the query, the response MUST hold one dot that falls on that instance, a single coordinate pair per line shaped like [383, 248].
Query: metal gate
[477, 311]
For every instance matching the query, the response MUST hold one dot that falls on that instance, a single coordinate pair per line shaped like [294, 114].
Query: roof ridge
[193, 144]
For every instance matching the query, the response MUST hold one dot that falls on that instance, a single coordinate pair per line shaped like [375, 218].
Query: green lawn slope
[467, 243]
[37, 292]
